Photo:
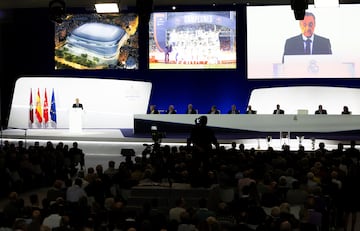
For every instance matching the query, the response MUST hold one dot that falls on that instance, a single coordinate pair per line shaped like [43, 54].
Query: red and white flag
[46, 108]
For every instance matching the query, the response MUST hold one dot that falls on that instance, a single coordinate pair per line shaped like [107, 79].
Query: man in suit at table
[307, 43]
[233, 110]
[278, 110]
[77, 104]
[153, 110]
[250, 110]
[190, 109]
[320, 111]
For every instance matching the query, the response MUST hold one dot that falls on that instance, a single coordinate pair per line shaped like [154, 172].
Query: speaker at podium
[76, 120]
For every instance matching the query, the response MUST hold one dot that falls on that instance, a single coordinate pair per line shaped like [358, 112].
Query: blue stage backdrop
[27, 48]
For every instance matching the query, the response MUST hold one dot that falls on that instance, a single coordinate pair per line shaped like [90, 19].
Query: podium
[75, 120]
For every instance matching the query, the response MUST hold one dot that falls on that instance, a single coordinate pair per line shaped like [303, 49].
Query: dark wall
[27, 42]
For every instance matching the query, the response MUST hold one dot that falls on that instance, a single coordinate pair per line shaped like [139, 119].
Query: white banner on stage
[107, 103]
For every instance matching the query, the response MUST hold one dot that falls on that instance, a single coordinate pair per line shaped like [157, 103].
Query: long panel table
[252, 125]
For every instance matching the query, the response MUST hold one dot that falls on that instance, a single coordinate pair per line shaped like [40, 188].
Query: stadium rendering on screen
[97, 41]
[192, 40]
[323, 45]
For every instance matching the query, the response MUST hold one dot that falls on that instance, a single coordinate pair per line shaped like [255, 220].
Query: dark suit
[295, 46]
[280, 111]
[193, 111]
[251, 112]
[324, 112]
[216, 112]
[78, 105]
[155, 111]
[233, 112]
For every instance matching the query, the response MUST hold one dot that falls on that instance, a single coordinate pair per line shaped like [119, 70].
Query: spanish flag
[38, 110]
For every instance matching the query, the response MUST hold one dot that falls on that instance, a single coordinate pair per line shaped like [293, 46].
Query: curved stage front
[243, 126]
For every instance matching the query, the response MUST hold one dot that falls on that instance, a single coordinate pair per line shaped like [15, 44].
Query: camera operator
[202, 138]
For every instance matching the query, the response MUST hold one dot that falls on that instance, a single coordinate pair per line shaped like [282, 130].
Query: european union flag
[53, 107]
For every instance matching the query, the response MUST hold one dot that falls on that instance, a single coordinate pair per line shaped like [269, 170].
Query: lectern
[75, 119]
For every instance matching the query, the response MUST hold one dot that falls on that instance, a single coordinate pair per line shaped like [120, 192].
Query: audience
[272, 190]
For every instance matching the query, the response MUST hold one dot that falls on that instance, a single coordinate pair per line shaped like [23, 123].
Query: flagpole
[25, 138]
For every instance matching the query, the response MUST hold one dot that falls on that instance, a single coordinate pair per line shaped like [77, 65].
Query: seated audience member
[214, 110]
[233, 110]
[346, 111]
[320, 110]
[171, 110]
[278, 110]
[153, 110]
[190, 109]
[56, 191]
[250, 110]
[175, 212]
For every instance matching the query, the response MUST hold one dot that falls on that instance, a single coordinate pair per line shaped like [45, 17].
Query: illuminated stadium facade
[98, 41]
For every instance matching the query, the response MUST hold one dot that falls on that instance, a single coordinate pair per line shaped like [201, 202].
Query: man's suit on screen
[295, 46]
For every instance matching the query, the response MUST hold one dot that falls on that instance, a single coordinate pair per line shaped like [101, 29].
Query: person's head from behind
[307, 25]
[202, 121]
[346, 109]
[278, 106]
[320, 107]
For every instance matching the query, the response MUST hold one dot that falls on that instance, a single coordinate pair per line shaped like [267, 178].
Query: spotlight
[57, 10]
[107, 8]
[299, 7]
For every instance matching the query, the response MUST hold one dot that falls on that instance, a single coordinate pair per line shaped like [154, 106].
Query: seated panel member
[214, 110]
[346, 111]
[278, 110]
[233, 110]
[153, 110]
[320, 110]
[171, 110]
[190, 109]
[250, 110]
[77, 104]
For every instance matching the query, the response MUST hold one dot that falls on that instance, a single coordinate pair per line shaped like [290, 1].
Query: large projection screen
[266, 37]
[97, 42]
[192, 40]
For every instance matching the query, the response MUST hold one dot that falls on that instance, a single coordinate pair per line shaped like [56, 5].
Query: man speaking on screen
[307, 43]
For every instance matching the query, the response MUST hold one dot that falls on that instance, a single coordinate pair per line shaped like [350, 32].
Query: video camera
[156, 135]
